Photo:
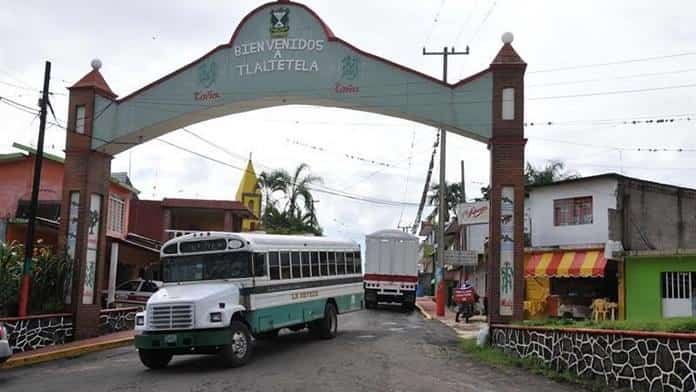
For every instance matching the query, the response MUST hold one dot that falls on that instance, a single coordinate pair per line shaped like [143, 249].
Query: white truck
[391, 268]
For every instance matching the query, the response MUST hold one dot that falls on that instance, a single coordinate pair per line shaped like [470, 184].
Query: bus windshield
[229, 265]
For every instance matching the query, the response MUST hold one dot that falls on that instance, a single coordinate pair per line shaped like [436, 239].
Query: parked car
[5, 349]
[133, 292]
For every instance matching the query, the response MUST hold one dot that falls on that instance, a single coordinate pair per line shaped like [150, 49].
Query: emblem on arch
[280, 22]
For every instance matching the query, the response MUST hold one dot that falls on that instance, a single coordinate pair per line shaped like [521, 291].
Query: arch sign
[282, 53]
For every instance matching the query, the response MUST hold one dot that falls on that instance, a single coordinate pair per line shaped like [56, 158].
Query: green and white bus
[223, 290]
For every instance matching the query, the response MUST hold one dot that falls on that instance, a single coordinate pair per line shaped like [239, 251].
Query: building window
[117, 215]
[574, 211]
[45, 209]
[677, 285]
[80, 119]
[508, 104]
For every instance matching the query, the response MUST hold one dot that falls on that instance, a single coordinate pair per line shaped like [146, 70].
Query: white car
[5, 349]
[134, 292]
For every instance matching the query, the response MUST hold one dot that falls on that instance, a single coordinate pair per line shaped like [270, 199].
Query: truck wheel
[370, 304]
[239, 351]
[326, 328]
[155, 359]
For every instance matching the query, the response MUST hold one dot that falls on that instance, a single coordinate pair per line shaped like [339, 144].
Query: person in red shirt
[466, 296]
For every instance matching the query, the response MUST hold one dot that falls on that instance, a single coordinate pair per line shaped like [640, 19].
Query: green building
[660, 284]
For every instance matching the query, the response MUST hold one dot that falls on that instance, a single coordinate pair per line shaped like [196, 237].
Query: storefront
[570, 283]
[660, 286]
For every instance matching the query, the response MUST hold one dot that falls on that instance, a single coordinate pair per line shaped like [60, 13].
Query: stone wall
[642, 361]
[30, 333]
[115, 320]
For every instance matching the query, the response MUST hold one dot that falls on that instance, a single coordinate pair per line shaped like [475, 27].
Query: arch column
[82, 233]
[505, 280]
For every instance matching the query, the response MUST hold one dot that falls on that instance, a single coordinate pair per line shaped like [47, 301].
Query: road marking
[366, 336]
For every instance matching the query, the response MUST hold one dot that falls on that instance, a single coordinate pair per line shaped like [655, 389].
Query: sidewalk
[69, 350]
[426, 305]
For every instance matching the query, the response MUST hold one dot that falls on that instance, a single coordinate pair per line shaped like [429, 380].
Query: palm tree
[297, 214]
[552, 172]
[452, 198]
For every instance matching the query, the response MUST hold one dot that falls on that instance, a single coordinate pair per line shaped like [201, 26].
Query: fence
[641, 361]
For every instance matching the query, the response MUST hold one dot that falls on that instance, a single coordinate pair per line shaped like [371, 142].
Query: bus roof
[267, 241]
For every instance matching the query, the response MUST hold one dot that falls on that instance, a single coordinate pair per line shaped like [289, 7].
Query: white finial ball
[507, 38]
[96, 64]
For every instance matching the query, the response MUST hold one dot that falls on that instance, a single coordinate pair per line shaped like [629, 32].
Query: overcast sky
[139, 42]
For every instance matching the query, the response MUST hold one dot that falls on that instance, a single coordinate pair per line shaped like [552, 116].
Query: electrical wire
[617, 62]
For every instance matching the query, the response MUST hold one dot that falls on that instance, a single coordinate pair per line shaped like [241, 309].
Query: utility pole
[31, 225]
[440, 296]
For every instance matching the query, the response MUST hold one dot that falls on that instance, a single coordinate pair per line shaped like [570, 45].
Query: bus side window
[295, 262]
[324, 265]
[340, 263]
[349, 263]
[274, 268]
[332, 263]
[305, 264]
[315, 263]
[285, 265]
[259, 264]
[357, 262]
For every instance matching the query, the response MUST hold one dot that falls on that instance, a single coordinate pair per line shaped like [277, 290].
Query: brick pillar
[82, 234]
[505, 286]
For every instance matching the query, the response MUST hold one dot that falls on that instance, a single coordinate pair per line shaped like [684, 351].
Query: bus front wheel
[154, 359]
[327, 327]
[239, 351]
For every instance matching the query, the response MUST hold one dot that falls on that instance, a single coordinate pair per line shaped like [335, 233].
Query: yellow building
[250, 195]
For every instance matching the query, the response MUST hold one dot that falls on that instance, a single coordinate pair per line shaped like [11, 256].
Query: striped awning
[565, 264]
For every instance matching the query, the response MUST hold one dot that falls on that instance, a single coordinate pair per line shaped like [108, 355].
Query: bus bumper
[184, 341]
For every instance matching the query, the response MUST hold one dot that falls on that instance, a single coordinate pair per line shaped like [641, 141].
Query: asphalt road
[376, 350]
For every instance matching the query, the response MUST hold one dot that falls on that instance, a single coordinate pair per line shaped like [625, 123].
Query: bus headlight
[216, 317]
[140, 320]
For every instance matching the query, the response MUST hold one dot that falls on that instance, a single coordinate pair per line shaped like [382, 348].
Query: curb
[423, 312]
[71, 352]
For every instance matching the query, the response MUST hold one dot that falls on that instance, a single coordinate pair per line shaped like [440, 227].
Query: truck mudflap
[184, 341]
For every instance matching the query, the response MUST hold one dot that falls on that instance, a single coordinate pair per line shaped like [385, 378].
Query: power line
[321, 189]
[483, 22]
[435, 21]
[618, 62]
[612, 78]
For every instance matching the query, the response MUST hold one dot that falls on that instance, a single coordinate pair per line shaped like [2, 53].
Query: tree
[452, 198]
[552, 172]
[296, 215]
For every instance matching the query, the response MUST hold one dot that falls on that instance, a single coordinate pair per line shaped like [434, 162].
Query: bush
[677, 324]
[48, 278]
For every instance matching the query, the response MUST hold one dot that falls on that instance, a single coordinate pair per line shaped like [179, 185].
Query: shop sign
[473, 213]
[507, 249]
[461, 257]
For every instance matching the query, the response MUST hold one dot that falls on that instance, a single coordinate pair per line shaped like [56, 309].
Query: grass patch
[498, 358]
[677, 324]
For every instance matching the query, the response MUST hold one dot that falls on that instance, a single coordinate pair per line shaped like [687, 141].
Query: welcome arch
[282, 53]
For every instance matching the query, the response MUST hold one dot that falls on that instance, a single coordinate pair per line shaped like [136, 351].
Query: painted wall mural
[507, 249]
[37, 332]
[654, 362]
[116, 320]
[92, 248]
